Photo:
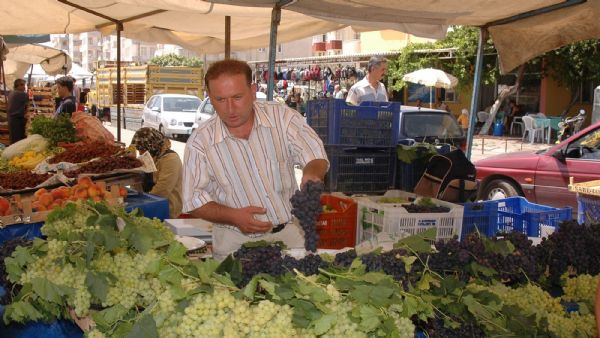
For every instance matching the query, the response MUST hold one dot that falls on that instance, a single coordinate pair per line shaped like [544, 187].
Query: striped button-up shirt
[258, 171]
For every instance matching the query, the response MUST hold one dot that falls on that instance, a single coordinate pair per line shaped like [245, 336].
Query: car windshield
[425, 124]
[208, 108]
[181, 104]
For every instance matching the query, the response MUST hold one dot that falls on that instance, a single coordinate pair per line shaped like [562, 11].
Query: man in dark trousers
[17, 106]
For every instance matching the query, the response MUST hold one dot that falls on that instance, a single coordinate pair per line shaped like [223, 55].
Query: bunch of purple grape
[306, 207]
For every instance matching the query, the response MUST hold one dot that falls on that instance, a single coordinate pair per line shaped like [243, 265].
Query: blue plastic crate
[372, 124]
[482, 216]
[356, 170]
[512, 214]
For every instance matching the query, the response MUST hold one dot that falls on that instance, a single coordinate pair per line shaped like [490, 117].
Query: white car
[206, 109]
[172, 114]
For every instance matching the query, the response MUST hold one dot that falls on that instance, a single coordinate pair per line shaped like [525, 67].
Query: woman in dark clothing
[17, 106]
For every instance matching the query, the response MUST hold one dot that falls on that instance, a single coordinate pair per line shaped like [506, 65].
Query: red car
[543, 176]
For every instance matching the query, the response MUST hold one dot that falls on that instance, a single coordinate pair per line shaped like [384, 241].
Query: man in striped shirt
[239, 165]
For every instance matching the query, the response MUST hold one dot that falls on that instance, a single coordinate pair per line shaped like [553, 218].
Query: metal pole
[119, 29]
[275, 18]
[227, 37]
[476, 85]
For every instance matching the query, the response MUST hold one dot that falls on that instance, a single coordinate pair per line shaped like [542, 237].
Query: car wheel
[499, 189]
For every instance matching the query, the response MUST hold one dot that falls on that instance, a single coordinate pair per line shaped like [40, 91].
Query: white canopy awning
[199, 25]
[19, 58]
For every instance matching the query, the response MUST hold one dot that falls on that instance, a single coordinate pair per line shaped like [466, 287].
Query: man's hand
[247, 223]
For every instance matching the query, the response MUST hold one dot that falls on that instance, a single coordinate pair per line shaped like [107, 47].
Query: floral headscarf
[152, 141]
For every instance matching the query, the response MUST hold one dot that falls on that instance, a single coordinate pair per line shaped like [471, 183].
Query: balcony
[334, 44]
[319, 47]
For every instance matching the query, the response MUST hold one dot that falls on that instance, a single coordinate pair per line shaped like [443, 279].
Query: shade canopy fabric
[20, 58]
[199, 25]
[431, 77]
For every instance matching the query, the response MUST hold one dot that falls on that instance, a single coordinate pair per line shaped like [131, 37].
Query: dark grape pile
[6, 250]
[572, 245]
[435, 329]
[455, 257]
[270, 260]
[420, 209]
[306, 207]
[344, 259]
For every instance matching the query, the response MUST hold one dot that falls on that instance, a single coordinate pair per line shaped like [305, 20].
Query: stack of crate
[42, 104]
[360, 142]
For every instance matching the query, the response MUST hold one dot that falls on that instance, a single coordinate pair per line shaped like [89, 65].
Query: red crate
[337, 229]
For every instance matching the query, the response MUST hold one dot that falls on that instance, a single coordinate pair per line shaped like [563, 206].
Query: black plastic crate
[372, 124]
[355, 170]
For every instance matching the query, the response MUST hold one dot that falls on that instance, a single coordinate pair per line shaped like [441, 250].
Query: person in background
[239, 167]
[76, 93]
[370, 87]
[443, 105]
[337, 92]
[514, 110]
[419, 103]
[17, 107]
[64, 88]
[167, 180]
[463, 120]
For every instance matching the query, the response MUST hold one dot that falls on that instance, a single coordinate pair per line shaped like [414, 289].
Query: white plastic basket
[374, 217]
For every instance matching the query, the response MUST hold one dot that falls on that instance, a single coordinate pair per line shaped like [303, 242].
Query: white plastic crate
[393, 218]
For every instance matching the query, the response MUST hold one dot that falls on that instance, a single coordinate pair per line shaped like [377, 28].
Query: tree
[175, 60]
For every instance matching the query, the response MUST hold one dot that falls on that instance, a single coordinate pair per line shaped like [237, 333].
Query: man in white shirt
[239, 166]
[337, 92]
[370, 87]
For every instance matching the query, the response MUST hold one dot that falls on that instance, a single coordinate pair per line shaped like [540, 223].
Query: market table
[549, 124]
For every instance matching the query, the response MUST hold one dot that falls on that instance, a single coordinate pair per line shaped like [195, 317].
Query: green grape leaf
[21, 312]
[13, 269]
[145, 327]
[153, 267]
[107, 220]
[305, 312]
[369, 318]
[408, 262]
[170, 275]
[232, 267]
[406, 154]
[503, 248]
[269, 287]
[374, 277]
[92, 220]
[177, 253]
[205, 269]
[89, 250]
[425, 282]
[22, 256]
[420, 243]
[324, 323]
[48, 290]
[284, 292]
[140, 239]
[484, 270]
[97, 284]
[250, 288]
[110, 315]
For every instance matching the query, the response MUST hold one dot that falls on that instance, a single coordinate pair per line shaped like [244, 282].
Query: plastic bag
[34, 142]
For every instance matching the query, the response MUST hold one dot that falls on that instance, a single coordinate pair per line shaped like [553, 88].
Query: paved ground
[482, 146]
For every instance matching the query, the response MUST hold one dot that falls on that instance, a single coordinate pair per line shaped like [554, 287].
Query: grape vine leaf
[305, 312]
[89, 250]
[48, 290]
[324, 323]
[145, 327]
[169, 274]
[374, 277]
[205, 269]
[13, 269]
[122, 329]
[22, 256]
[420, 243]
[21, 311]
[232, 267]
[110, 315]
[503, 248]
[250, 288]
[176, 253]
[406, 154]
[484, 270]
[369, 318]
[140, 239]
[97, 284]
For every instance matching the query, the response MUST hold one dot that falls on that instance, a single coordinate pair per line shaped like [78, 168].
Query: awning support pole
[227, 37]
[119, 29]
[275, 19]
[476, 84]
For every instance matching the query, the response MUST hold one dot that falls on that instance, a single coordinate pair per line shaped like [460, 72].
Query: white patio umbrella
[431, 77]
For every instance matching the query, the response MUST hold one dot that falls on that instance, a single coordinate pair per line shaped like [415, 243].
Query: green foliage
[175, 60]
[569, 65]
[55, 130]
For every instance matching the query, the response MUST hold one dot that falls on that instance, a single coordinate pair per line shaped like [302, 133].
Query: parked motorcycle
[570, 125]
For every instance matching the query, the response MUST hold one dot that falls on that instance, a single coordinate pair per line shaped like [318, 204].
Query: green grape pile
[72, 218]
[220, 314]
[572, 325]
[581, 289]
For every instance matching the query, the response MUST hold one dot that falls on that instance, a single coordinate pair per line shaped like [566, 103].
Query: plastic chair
[482, 116]
[531, 130]
[517, 121]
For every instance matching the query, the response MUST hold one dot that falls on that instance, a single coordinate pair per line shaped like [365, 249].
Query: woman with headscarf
[166, 181]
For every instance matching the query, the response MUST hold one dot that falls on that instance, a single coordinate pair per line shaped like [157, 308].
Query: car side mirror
[156, 109]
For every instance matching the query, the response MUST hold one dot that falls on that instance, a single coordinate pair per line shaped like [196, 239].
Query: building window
[279, 48]
[261, 50]
[356, 36]
[450, 95]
